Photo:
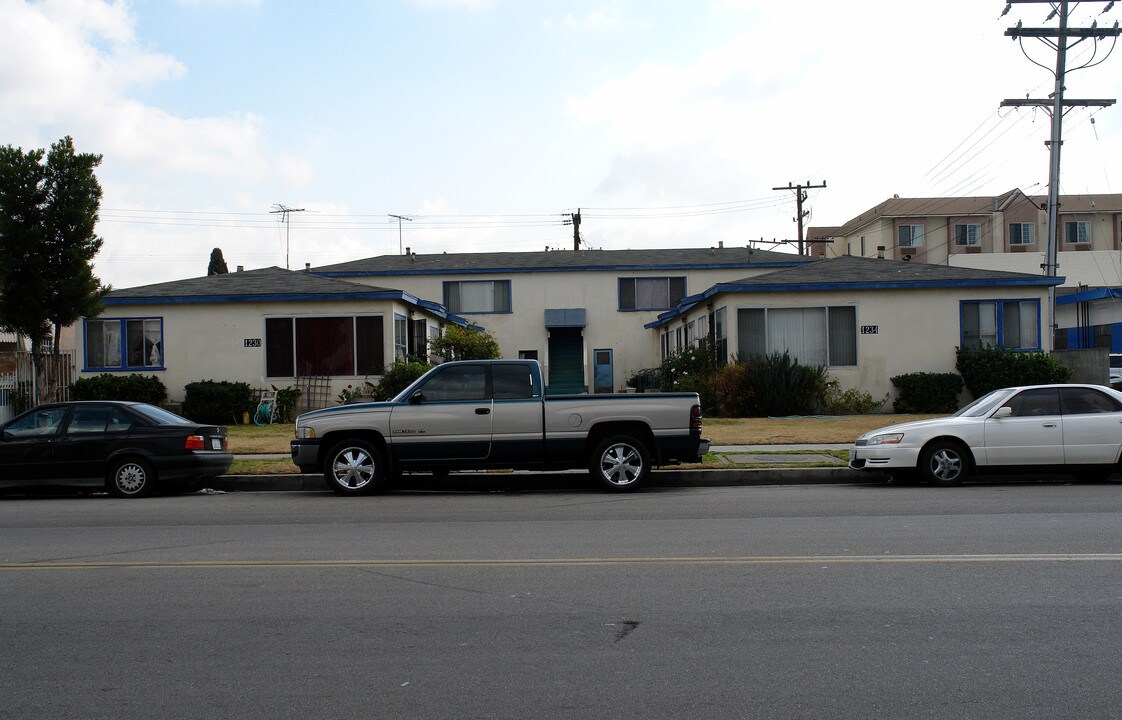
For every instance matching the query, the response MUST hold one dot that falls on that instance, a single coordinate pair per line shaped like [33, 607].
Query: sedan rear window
[160, 416]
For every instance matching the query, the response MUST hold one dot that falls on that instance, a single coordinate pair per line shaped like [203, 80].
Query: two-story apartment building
[1005, 232]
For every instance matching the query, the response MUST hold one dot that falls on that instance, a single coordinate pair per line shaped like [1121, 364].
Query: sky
[487, 123]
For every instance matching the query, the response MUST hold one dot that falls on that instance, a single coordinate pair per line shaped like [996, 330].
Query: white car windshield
[983, 405]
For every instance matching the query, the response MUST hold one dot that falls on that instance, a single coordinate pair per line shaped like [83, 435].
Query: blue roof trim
[432, 307]
[1089, 295]
[265, 297]
[693, 300]
[574, 268]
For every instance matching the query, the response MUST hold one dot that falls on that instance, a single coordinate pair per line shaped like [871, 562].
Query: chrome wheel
[620, 463]
[354, 468]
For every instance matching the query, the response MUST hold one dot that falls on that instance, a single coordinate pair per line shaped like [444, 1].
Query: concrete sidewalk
[783, 468]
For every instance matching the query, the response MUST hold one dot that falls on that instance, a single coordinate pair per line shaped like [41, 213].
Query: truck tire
[620, 463]
[355, 467]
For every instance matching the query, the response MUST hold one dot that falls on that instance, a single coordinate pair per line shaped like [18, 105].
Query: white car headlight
[886, 439]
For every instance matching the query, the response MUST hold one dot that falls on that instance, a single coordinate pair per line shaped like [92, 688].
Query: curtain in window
[799, 331]
[103, 343]
[979, 324]
[1019, 325]
[652, 293]
[145, 343]
[477, 297]
[325, 346]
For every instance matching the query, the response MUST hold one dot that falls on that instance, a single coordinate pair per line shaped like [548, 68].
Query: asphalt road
[988, 601]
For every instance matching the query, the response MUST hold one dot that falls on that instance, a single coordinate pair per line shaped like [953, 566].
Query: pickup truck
[479, 414]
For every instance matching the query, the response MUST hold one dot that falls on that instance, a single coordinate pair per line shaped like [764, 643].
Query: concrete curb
[576, 480]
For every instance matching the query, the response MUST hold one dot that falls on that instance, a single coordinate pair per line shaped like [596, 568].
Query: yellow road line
[567, 562]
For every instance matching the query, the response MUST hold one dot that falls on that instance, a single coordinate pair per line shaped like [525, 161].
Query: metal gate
[56, 373]
[7, 396]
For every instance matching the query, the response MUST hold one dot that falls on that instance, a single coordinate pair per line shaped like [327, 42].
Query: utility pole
[399, 219]
[574, 220]
[800, 196]
[285, 211]
[1056, 105]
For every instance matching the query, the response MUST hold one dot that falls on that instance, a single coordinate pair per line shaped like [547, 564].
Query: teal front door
[566, 361]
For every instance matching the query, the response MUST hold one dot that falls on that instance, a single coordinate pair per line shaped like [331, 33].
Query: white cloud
[601, 19]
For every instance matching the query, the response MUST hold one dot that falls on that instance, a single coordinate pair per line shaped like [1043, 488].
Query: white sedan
[1039, 428]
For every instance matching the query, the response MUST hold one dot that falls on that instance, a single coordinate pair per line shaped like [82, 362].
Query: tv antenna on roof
[284, 211]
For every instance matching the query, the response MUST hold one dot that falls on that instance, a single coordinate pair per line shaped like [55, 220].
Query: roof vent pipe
[721, 244]
[241, 268]
[307, 267]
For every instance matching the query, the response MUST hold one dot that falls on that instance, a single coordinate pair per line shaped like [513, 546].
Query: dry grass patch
[274, 439]
[797, 431]
[254, 440]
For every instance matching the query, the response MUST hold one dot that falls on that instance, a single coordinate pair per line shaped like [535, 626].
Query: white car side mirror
[1002, 412]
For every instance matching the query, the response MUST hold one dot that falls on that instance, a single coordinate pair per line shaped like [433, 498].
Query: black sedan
[130, 449]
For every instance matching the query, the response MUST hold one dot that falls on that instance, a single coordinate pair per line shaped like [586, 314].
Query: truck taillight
[695, 417]
[195, 442]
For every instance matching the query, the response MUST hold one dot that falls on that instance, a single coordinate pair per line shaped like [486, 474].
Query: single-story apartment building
[865, 319]
[263, 327]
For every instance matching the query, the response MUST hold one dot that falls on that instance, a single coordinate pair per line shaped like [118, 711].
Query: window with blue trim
[477, 296]
[124, 344]
[1013, 324]
[400, 337]
[651, 293]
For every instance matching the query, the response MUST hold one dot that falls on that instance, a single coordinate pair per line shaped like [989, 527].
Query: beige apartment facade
[865, 319]
[263, 327]
[579, 313]
[1004, 232]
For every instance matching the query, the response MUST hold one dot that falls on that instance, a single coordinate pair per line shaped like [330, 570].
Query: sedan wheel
[944, 463]
[354, 467]
[131, 478]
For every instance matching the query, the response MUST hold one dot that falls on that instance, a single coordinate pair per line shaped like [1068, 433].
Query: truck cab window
[460, 382]
[512, 382]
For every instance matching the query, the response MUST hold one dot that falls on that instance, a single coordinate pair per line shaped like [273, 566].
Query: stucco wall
[206, 341]
[917, 330]
[634, 348]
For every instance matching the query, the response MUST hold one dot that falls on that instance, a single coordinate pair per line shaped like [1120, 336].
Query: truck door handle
[483, 411]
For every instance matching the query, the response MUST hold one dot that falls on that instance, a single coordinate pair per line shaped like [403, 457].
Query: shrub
[927, 392]
[470, 343]
[107, 386]
[286, 402]
[217, 402]
[774, 385]
[849, 402]
[989, 368]
[397, 377]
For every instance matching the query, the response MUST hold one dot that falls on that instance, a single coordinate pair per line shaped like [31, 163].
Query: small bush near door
[926, 392]
[989, 368]
[217, 402]
[135, 388]
[772, 386]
